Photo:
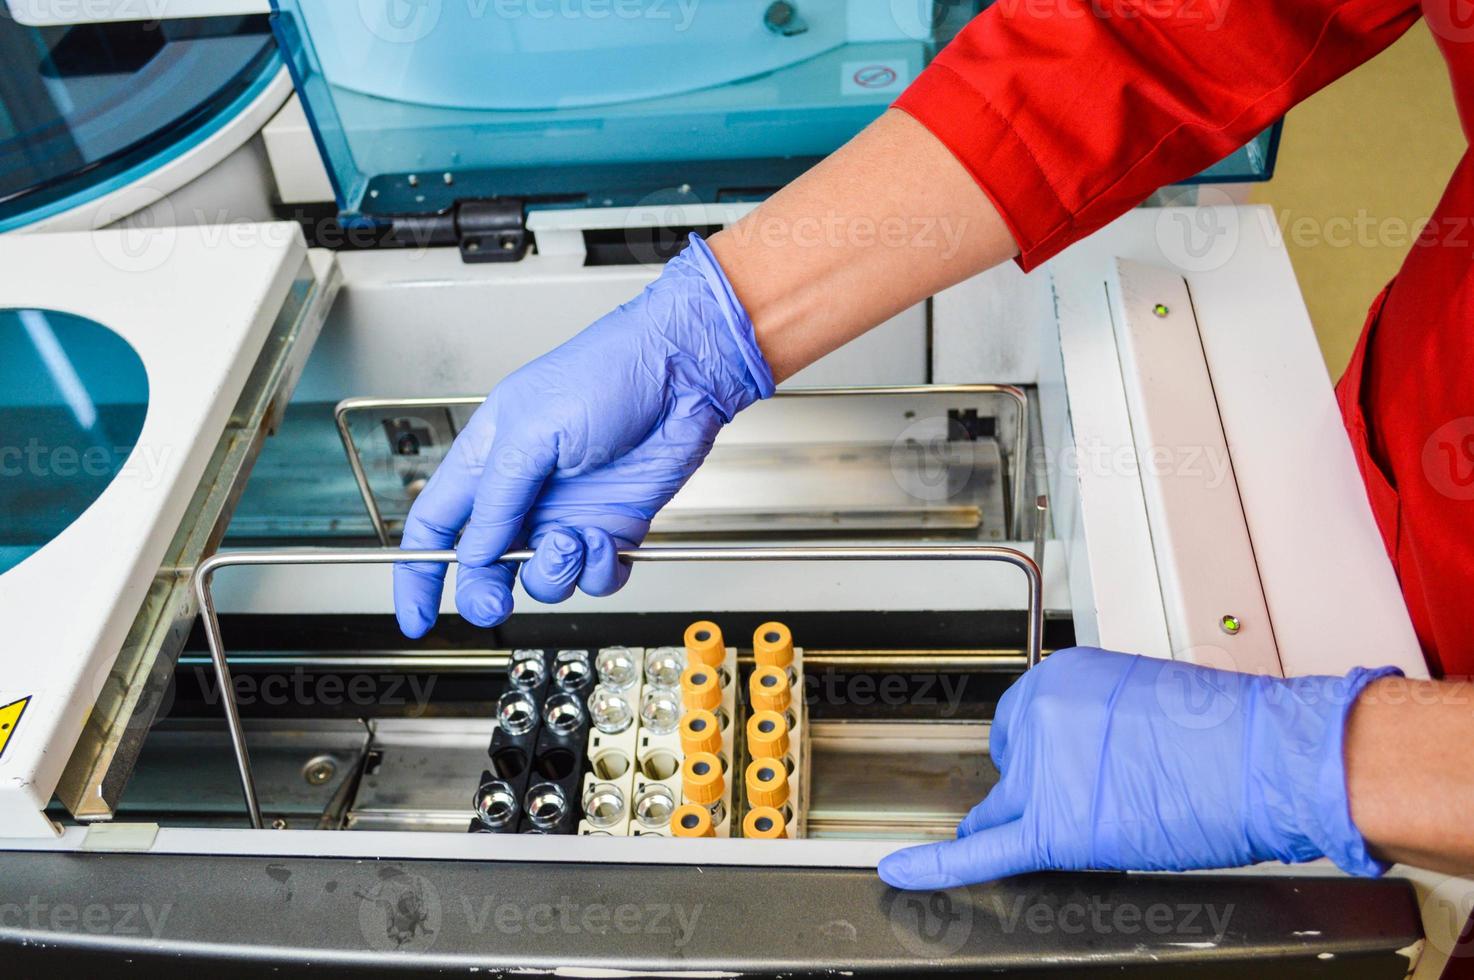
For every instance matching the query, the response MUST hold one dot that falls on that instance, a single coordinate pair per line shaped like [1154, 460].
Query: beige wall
[1360, 164]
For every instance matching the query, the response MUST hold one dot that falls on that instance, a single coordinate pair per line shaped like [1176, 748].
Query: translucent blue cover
[73, 397]
[90, 108]
[575, 102]
[416, 105]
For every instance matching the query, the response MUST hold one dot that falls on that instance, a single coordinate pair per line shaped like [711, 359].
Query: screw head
[319, 770]
[1230, 624]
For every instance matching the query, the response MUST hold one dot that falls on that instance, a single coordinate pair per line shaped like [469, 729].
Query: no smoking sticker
[873, 77]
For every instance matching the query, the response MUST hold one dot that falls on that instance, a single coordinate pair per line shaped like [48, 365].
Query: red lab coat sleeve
[1069, 112]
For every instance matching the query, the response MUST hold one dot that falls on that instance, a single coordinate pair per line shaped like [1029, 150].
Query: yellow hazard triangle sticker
[10, 720]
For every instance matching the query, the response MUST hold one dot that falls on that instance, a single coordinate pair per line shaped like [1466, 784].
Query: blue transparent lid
[578, 102]
[416, 105]
[73, 396]
[88, 108]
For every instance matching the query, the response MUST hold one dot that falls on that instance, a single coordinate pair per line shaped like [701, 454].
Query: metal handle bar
[205, 573]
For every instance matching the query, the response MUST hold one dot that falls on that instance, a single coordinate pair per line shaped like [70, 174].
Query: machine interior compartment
[364, 736]
[897, 462]
[867, 447]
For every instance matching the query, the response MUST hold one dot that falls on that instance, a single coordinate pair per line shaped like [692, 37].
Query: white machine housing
[1257, 515]
[1190, 443]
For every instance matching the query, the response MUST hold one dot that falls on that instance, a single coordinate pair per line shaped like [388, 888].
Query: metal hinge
[491, 230]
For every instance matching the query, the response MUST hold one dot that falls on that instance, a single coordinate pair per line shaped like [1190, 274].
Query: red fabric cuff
[1004, 166]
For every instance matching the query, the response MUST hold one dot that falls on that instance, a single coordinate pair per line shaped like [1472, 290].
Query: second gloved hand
[574, 453]
[1110, 761]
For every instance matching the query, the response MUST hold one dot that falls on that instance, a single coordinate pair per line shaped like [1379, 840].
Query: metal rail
[1017, 461]
[483, 661]
[204, 576]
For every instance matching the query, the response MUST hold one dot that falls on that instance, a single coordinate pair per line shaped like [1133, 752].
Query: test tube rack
[537, 753]
[775, 803]
[614, 708]
[705, 775]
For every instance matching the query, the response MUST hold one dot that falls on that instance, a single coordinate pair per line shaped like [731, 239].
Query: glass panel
[73, 396]
[84, 109]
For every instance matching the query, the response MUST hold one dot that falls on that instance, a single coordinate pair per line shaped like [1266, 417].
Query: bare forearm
[883, 223]
[1410, 771]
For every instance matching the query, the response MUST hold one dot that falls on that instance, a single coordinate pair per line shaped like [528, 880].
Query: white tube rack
[604, 749]
[726, 713]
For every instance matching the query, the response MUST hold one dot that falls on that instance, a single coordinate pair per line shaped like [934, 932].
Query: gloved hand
[1120, 762]
[574, 453]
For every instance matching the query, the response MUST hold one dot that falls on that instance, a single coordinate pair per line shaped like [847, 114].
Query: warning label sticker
[10, 715]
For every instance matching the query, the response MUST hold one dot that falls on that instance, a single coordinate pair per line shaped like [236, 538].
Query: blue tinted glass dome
[89, 108]
[73, 396]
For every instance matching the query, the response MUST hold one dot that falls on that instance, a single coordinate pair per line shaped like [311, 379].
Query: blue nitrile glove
[1120, 762]
[574, 453]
